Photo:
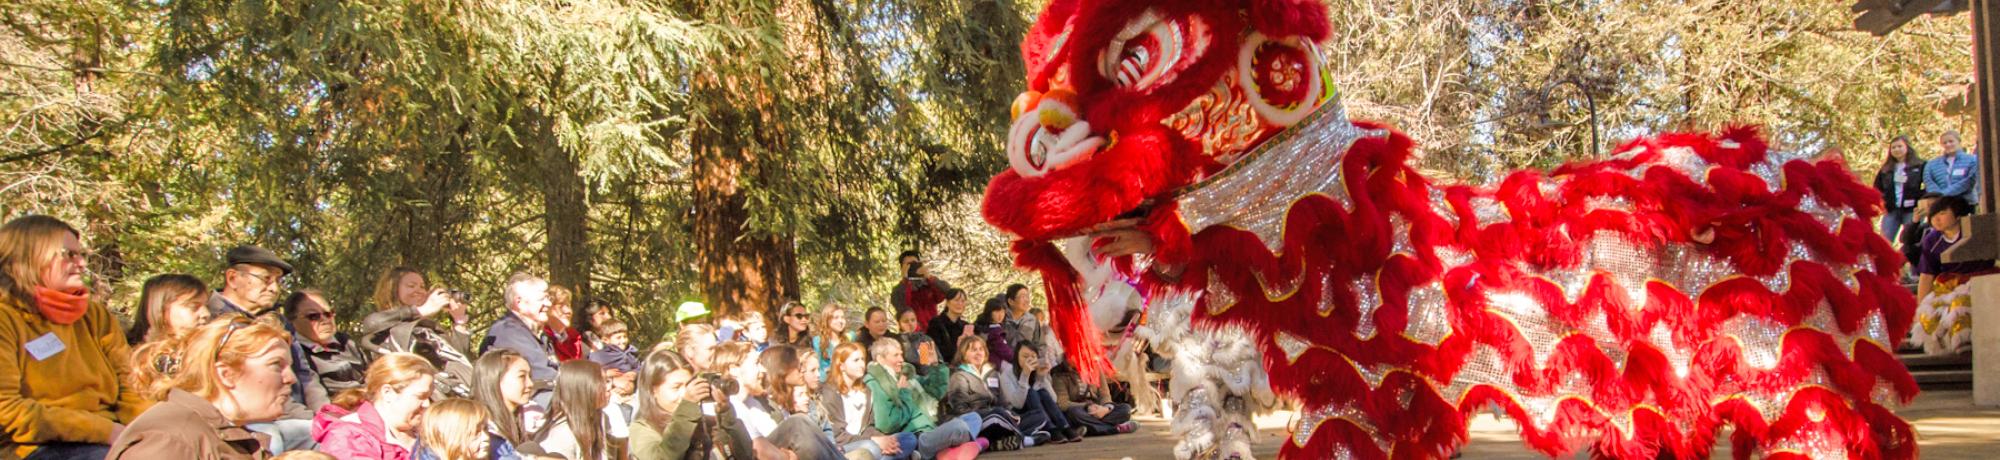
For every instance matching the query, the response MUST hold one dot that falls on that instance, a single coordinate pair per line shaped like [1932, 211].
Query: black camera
[456, 295]
[722, 385]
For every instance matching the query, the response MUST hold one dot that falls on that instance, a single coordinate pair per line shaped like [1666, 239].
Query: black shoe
[1076, 433]
[1043, 438]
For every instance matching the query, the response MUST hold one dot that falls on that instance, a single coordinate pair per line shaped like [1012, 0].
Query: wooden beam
[1881, 17]
[1982, 232]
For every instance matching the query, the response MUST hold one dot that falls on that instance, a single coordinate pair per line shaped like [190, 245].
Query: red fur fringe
[1668, 413]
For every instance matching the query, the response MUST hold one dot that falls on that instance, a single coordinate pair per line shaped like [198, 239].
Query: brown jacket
[187, 427]
[71, 389]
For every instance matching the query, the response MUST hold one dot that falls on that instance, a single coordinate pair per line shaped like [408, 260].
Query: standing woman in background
[64, 394]
[1901, 181]
[231, 373]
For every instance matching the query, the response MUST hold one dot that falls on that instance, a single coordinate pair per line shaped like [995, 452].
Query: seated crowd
[237, 372]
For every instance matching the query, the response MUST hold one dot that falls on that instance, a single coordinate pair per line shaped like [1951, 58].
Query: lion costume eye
[1144, 52]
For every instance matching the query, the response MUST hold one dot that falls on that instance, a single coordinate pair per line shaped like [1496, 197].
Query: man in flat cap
[250, 285]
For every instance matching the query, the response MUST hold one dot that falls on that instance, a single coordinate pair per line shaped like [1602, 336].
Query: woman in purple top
[1944, 318]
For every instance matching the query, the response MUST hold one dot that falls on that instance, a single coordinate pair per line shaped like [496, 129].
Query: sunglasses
[800, 315]
[234, 324]
[318, 316]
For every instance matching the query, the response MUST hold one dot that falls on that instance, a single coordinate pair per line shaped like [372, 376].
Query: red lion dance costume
[1632, 305]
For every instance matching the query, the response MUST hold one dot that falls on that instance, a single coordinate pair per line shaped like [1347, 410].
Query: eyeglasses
[234, 324]
[318, 316]
[799, 315]
[268, 280]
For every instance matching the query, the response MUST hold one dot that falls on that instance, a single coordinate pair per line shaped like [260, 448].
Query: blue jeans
[1893, 222]
[70, 451]
[906, 443]
[1040, 413]
[949, 434]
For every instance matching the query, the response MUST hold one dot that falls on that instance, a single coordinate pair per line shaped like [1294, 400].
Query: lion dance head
[1128, 101]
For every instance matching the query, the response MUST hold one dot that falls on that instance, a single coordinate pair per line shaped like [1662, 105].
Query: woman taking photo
[671, 423]
[576, 414]
[1029, 392]
[1901, 182]
[67, 397]
[170, 306]
[383, 426]
[232, 373]
[405, 322]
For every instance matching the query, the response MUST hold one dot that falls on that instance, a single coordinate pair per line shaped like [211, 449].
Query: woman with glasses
[65, 397]
[230, 373]
[795, 326]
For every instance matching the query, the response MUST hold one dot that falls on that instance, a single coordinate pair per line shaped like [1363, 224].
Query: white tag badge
[993, 382]
[45, 346]
[1958, 173]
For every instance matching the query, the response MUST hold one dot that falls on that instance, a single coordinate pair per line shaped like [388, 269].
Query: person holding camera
[919, 291]
[682, 416]
[405, 322]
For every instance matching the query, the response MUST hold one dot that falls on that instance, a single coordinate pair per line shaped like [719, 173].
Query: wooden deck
[1948, 427]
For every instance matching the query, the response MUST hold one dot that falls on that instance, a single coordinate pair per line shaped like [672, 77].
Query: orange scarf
[62, 307]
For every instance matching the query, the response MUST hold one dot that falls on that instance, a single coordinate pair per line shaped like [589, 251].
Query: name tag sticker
[1958, 173]
[45, 346]
[992, 382]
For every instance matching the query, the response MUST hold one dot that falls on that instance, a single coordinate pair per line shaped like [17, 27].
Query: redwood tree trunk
[740, 269]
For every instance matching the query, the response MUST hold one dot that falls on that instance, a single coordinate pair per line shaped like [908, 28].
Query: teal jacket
[904, 410]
